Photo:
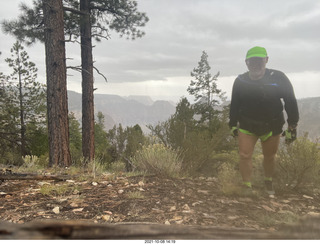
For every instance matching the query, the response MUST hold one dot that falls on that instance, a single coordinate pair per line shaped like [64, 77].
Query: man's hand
[234, 131]
[290, 134]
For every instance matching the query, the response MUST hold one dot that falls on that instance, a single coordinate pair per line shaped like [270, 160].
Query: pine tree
[25, 98]
[57, 98]
[204, 88]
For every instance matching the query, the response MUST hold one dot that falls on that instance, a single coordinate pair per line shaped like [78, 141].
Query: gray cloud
[179, 30]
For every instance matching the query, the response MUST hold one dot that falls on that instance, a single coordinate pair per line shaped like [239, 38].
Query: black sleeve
[290, 102]
[234, 106]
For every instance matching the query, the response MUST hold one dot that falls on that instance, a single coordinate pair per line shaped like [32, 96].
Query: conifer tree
[24, 98]
[204, 88]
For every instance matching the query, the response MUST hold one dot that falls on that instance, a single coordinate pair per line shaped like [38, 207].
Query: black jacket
[261, 100]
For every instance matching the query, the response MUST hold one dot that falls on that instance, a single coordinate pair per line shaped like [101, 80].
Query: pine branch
[105, 78]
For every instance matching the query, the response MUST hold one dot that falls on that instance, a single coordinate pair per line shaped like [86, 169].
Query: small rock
[62, 200]
[233, 217]
[308, 197]
[177, 218]
[315, 214]
[77, 210]
[285, 201]
[107, 218]
[94, 183]
[74, 205]
[56, 210]
[167, 222]
[203, 192]
[42, 183]
[186, 207]
[173, 208]
[120, 191]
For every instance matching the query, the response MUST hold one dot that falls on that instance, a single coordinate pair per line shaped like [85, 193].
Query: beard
[256, 74]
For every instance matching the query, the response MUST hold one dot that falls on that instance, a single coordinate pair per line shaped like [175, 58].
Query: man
[256, 112]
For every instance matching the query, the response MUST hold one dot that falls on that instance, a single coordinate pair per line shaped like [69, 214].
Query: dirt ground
[114, 199]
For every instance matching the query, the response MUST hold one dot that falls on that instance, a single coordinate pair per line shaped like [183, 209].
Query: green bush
[298, 165]
[159, 160]
[117, 167]
[229, 179]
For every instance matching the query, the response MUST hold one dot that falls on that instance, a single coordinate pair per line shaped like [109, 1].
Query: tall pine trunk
[22, 112]
[87, 82]
[57, 100]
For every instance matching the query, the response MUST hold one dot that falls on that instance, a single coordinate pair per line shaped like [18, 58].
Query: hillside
[141, 110]
[309, 109]
[127, 111]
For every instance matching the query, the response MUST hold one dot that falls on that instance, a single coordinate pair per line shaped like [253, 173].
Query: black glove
[234, 131]
[290, 134]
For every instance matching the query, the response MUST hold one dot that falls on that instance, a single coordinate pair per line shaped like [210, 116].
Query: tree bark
[87, 82]
[22, 123]
[57, 100]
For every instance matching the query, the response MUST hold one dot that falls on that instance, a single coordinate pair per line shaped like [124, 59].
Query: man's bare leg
[246, 147]
[269, 149]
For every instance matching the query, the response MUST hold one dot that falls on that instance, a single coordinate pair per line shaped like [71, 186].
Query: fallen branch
[305, 229]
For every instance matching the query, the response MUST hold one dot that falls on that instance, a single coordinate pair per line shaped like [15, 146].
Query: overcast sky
[159, 64]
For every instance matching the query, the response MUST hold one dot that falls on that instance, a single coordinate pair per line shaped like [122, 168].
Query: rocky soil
[114, 199]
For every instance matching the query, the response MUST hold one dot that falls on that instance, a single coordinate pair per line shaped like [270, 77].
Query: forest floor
[113, 199]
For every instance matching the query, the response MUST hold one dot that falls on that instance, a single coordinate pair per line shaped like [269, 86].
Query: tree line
[197, 129]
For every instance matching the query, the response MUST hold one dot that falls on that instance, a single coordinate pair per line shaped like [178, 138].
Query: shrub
[30, 161]
[230, 179]
[158, 159]
[33, 163]
[117, 167]
[298, 165]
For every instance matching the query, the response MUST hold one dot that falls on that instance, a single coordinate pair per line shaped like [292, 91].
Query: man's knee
[245, 156]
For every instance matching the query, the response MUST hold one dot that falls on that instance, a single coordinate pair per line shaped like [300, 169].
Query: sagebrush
[298, 165]
[158, 159]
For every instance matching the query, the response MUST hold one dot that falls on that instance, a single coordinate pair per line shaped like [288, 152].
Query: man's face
[256, 65]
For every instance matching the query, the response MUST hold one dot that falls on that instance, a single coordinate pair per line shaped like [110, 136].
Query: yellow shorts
[263, 138]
